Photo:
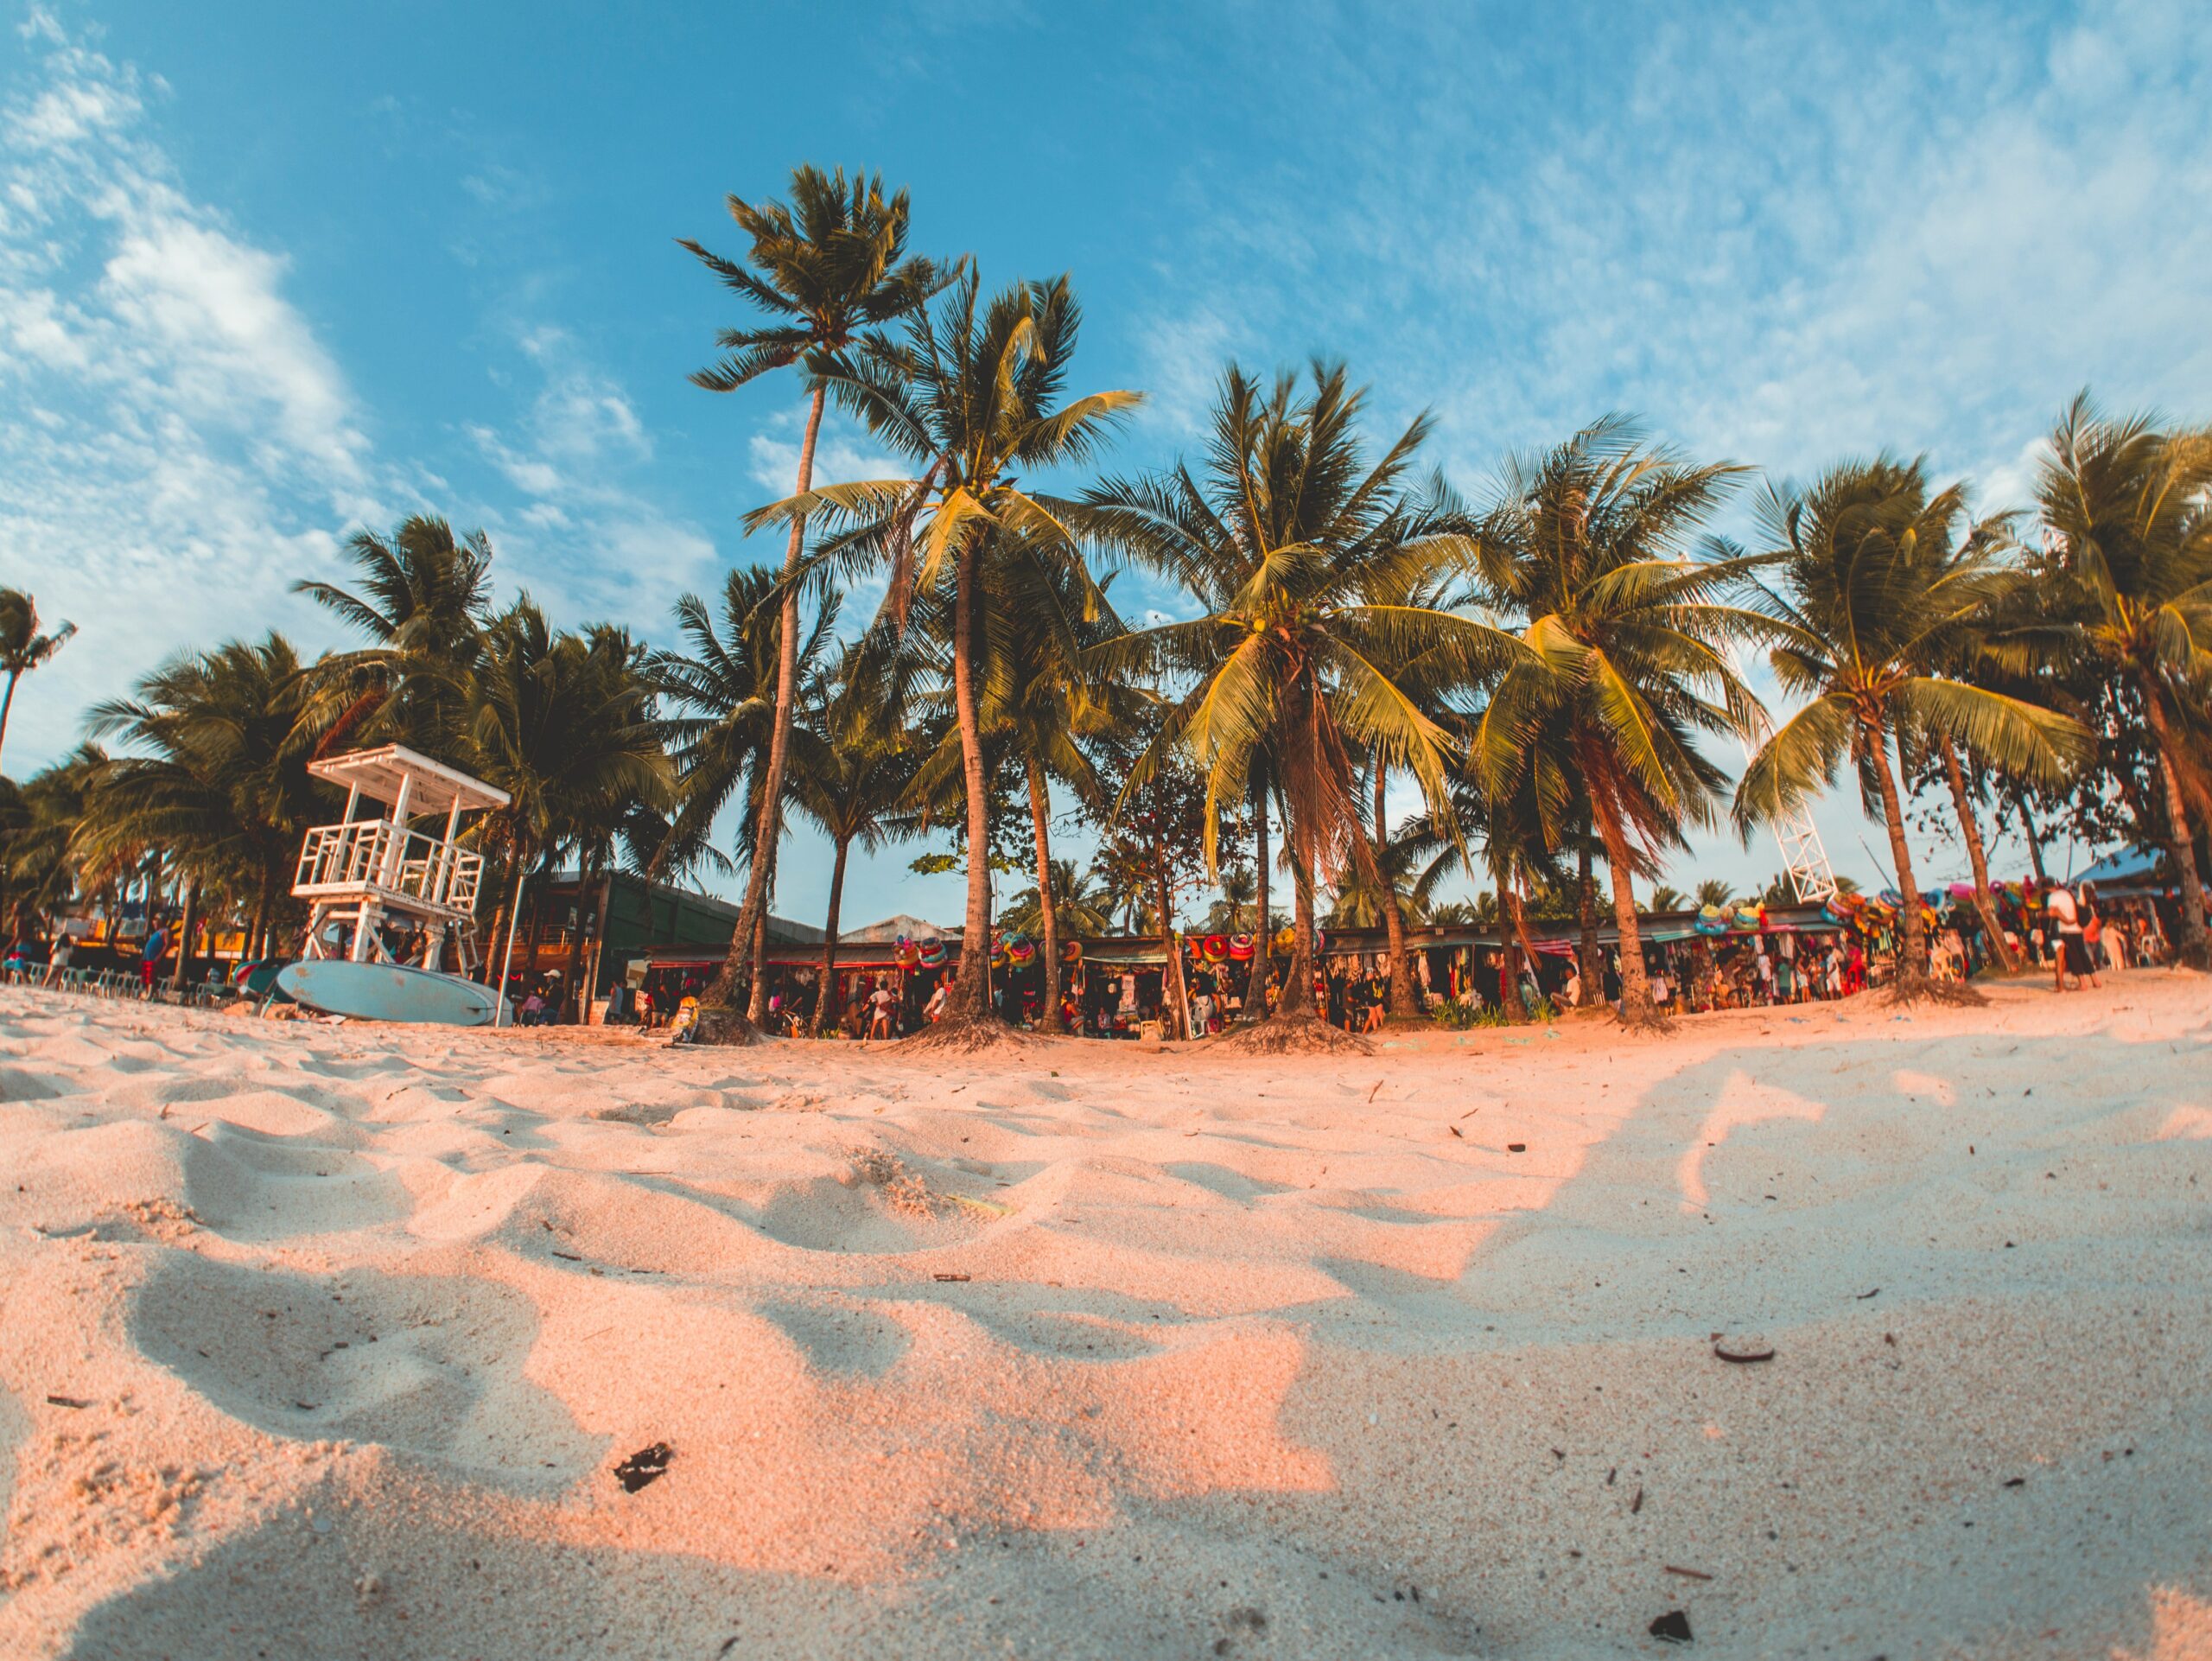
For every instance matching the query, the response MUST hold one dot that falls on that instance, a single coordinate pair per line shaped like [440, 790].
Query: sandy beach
[331, 1340]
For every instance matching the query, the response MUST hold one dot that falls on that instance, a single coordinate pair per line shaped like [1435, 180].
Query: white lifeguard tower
[362, 870]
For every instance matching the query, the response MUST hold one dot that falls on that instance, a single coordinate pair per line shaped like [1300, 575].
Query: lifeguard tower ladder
[363, 870]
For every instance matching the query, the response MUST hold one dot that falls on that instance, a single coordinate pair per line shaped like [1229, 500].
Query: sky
[270, 274]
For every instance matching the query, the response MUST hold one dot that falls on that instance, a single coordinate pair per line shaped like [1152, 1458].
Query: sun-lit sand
[328, 1341]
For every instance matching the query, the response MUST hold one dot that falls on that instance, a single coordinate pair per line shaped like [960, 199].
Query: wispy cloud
[171, 432]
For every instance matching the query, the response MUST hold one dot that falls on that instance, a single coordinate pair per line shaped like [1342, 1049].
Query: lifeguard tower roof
[433, 788]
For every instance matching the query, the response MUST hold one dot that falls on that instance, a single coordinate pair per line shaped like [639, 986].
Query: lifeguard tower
[363, 870]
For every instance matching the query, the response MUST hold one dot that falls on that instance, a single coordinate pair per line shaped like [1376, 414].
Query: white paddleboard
[383, 991]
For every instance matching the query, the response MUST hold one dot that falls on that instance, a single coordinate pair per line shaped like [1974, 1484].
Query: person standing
[156, 948]
[2073, 954]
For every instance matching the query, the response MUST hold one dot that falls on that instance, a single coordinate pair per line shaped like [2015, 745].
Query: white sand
[1251, 1358]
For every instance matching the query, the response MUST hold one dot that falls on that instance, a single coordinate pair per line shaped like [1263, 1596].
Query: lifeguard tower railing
[375, 856]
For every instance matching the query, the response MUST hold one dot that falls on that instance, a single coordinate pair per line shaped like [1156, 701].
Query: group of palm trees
[1551, 667]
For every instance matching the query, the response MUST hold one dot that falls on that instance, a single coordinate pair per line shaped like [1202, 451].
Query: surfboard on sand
[383, 991]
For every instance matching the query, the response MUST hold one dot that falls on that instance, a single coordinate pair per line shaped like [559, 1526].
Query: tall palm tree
[2126, 576]
[826, 268]
[972, 396]
[1626, 664]
[23, 646]
[856, 764]
[422, 596]
[1872, 589]
[565, 724]
[1299, 552]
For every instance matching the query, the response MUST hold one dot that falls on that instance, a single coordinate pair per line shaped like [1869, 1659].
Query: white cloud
[173, 436]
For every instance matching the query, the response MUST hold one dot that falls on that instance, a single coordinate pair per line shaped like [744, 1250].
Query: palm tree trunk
[254, 950]
[1594, 972]
[1912, 950]
[2181, 849]
[1298, 981]
[1636, 1007]
[1255, 983]
[2028, 832]
[1174, 992]
[184, 934]
[8, 703]
[1404, 1003]
[743, 940]
[827, 990]
[1040, 820]
[971, 991]
[1984, 903]
[1509, 981]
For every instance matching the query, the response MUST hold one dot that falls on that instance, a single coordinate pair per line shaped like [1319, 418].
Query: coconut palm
[36, 867]
[971, 395]
[826, 269]
[1082, 906]
[1627, 633]
[1874, 585]
[422, 596]
[719, 699]
[2127, 579]
[23, 646]
[856, 762]
[1301, 552]
[564, 723]
[221, 741]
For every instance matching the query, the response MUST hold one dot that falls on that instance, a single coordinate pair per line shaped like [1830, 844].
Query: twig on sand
[1686, 1574]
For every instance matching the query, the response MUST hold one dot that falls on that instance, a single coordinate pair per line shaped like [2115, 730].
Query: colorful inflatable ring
[1020, 950]
[1071, 952]
[1710, 920]
[1215, 948]
[906, 954]
[933, 951]
[1240, 948]
[1286, 939]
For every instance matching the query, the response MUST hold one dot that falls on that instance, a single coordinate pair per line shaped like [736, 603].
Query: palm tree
[1874, 589]
[422, 598]
[565, 724]
[720, 698]
[37, 868]
[971, 395]
[1082, 906]
[1300, 554]
[224, 739]
[1626, 663]
[827, 269]
[2126, 575]
[23, 647]
[856, 765]
[1712, 892]
[1664, 899]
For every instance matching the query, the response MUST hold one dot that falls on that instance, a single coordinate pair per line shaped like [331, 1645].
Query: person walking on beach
[881, 1003]
[2073, 954]
[57, 958]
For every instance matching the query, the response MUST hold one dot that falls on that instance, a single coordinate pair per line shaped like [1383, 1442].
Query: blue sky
[269, 272]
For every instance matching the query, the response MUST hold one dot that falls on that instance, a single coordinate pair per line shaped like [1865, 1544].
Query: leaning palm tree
[1299, 551]
[1872, 588]
[23, 646]
[971, 395]
[827, 269]
[422, 596]
[2127, 579]
[1627, 663]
